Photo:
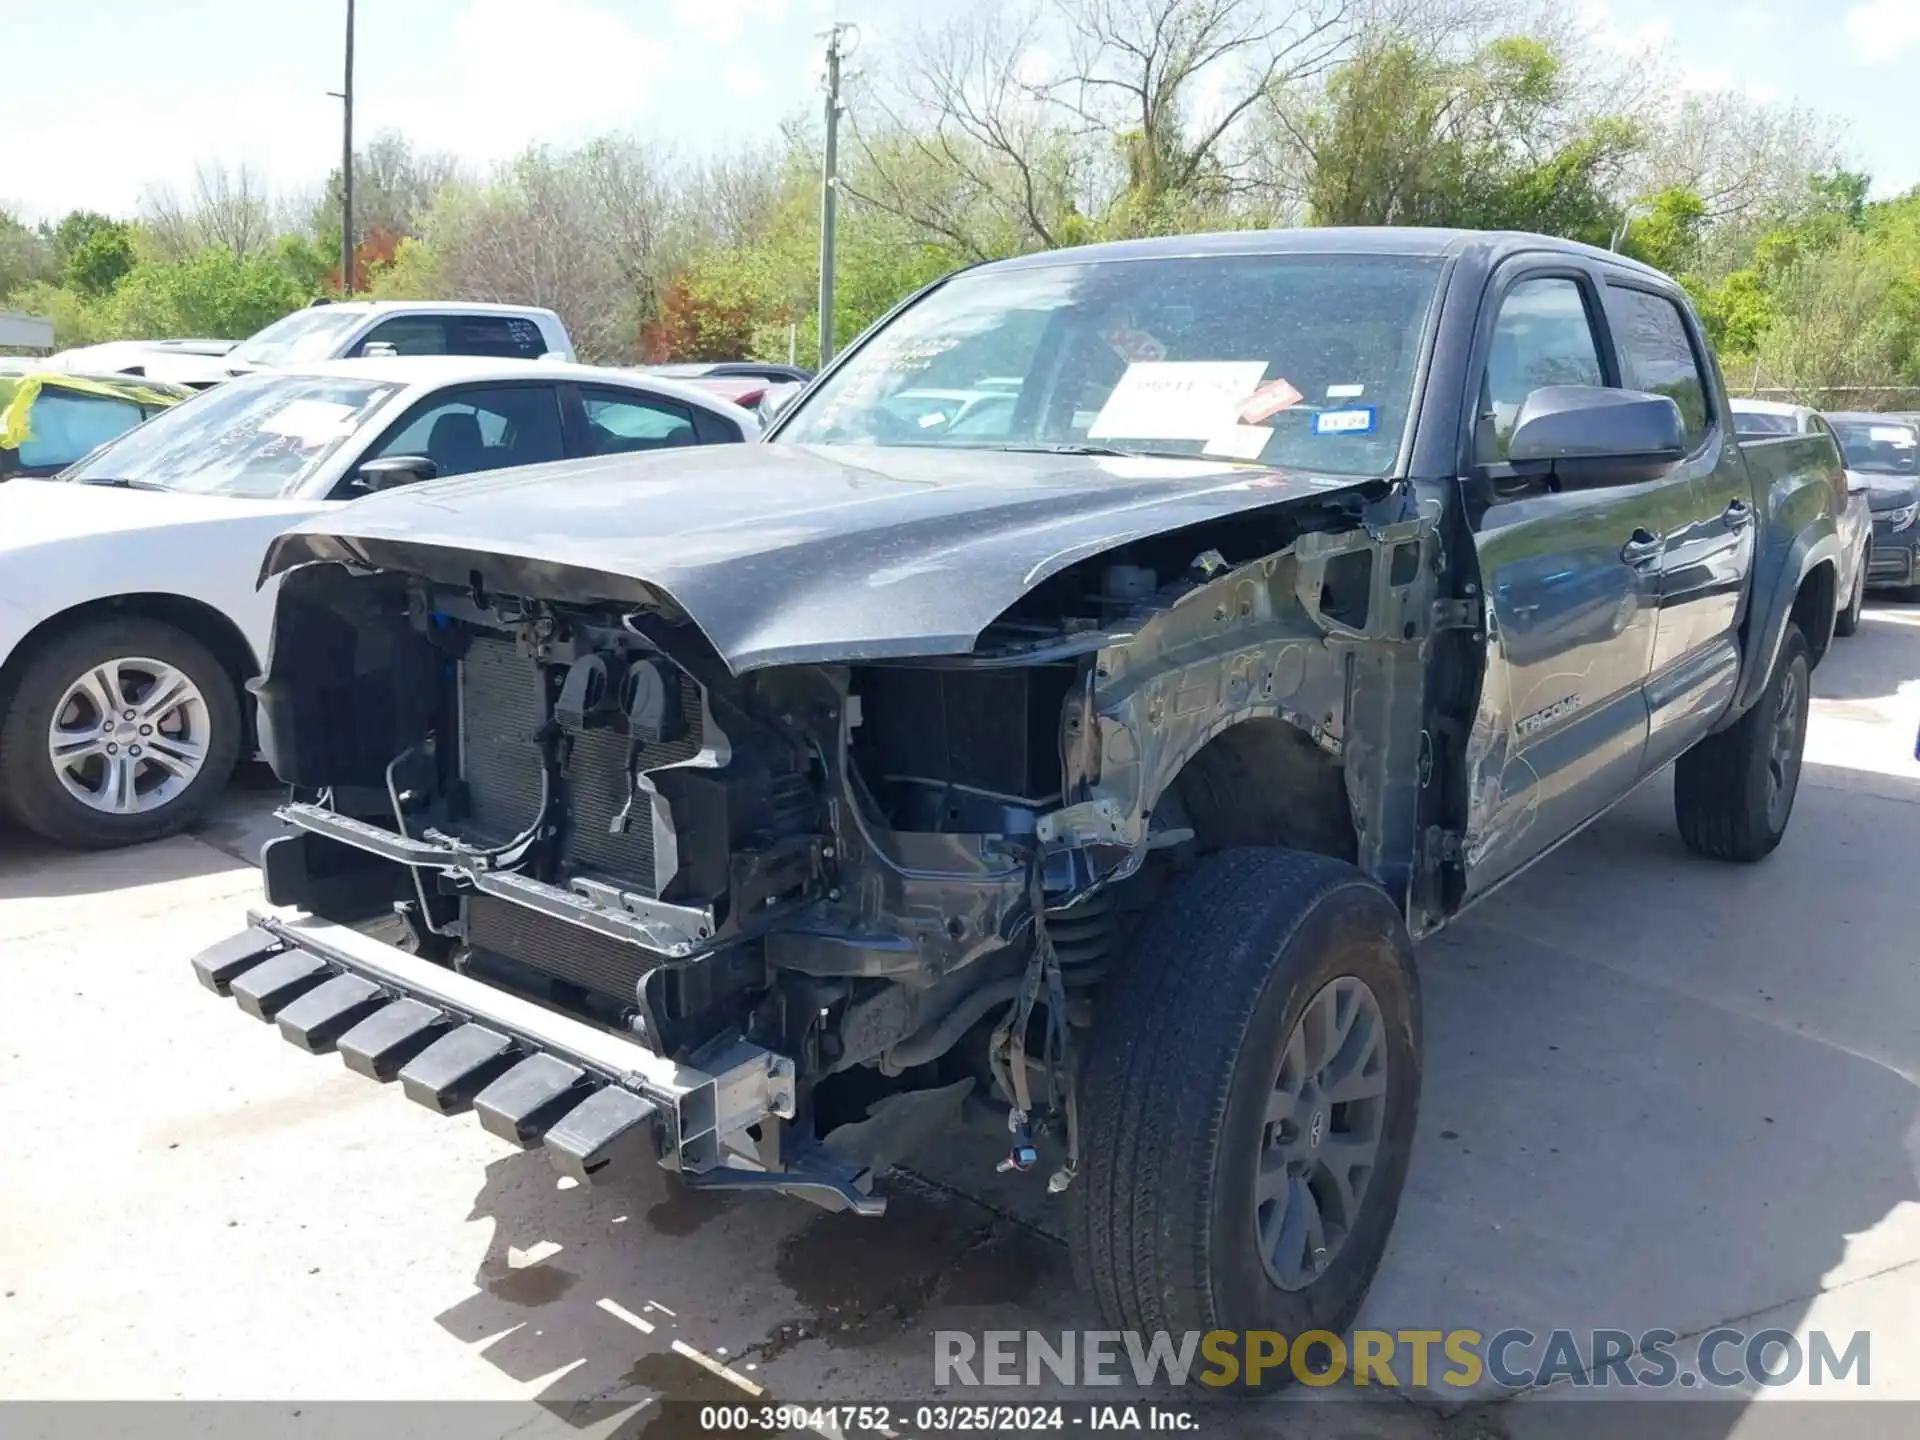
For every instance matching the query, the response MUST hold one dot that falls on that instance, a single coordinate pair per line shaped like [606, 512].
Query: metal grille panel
[501, 705]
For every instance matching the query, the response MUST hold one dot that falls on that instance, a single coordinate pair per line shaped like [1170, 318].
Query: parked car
[1882, 452]
[129, 616]
[768, 370]
[328, 330]
[741, 391]
[1759, 422]
[48, 420]
[1103, 765]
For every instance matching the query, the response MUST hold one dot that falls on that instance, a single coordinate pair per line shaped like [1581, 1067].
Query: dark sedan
[1884, 450]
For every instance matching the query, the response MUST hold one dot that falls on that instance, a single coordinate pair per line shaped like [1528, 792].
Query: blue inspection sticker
[1355, 421]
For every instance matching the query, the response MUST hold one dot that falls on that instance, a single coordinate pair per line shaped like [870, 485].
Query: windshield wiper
[120, 482]
[1059, 447]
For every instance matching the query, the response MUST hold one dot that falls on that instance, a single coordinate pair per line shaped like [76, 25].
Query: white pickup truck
[327, 330]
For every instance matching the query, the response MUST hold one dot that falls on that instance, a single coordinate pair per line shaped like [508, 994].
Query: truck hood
[1884, 492]
[786, 554]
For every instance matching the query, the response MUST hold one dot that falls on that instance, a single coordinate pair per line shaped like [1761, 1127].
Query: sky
[100, 99]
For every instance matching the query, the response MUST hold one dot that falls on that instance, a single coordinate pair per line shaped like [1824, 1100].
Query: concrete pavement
[1659, 1092]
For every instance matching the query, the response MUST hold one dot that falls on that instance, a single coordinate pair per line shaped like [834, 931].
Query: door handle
[1642, 548]
[1738, 514]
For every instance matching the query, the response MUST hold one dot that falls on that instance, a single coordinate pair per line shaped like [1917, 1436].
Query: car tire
[1733, 792]
[169, 760]
[1848, 620]
[1190, 1052]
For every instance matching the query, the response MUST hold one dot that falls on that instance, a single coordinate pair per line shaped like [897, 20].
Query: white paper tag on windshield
[1345, 392]
[1890, 435]
[314, 421]
[1176, 399]
[1241, 442]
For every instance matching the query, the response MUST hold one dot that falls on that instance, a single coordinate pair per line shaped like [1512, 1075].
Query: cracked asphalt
[1659, 1092]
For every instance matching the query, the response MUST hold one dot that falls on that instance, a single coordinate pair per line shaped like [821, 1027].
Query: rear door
[1571, 579]
[1708, 548]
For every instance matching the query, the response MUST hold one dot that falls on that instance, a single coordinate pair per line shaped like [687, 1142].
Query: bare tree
[1744, 158]
[972, 151]
[227, 209]
[576, 231]
[1176, 78]
[393, 184]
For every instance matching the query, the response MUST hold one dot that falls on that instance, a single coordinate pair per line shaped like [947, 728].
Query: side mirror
[391, 470]
[1623, 434]
[775, 399]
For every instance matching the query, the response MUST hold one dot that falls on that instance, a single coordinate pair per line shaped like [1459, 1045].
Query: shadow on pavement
[598, 1294]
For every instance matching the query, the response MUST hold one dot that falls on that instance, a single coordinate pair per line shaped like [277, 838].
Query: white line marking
[620, 1312]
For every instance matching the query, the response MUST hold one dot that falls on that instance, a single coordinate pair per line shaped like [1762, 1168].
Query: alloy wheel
[129, 736]
[1324, 1123]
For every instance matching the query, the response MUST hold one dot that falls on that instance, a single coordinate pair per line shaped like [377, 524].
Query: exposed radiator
[501, 705]
[591, 961]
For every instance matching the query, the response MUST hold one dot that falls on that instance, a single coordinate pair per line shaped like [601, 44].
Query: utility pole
[345, 97]
[829, 186]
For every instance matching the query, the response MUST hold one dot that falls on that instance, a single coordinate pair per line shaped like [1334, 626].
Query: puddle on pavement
[685, 1210]
[859, 1278]
[528, 1285]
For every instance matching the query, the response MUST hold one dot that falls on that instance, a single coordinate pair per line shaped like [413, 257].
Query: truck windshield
[257, 436]
[1887, 448]
[304, 335]
[1299, 360]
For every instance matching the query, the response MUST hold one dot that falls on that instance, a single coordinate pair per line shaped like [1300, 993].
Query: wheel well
[1814, 606]
[1265, 782]
[202, 621]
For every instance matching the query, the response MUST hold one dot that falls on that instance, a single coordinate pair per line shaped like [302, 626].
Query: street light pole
[346, 167]
[829, 194]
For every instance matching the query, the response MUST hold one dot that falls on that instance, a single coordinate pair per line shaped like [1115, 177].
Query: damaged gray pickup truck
[1065, 720]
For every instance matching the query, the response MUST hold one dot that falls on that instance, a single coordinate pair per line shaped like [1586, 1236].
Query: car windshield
[303, 336]
[257, 436]
[1754, 422]
[1879, 447]
[1300, 360]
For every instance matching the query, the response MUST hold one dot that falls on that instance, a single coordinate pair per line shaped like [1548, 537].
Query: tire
[1186, 1048]
[1733, 792]
[1848, 620]
[199, 735]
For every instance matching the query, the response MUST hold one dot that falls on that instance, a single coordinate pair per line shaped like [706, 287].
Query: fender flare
[1770, 606]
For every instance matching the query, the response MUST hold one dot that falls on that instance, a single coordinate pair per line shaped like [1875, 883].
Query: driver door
[1571, 579]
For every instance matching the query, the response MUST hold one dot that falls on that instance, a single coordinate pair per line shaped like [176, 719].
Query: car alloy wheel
[129, 735]
[1321, 1140]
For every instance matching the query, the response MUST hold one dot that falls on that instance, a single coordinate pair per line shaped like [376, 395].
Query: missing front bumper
[593, 1100]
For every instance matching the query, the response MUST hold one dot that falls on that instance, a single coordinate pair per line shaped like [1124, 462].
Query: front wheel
[1248, 1103]
[1733, 792]
[119, 731]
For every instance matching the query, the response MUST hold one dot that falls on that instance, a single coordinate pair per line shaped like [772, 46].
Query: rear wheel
[1733, 793]
[1248, 1102]
[119, 731]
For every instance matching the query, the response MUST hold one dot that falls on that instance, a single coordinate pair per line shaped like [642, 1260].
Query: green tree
[25, 255]
[1666, 235]
[211, 293]
[101, 260]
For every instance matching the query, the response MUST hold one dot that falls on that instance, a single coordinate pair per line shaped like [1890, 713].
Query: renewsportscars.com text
[1516, 1359]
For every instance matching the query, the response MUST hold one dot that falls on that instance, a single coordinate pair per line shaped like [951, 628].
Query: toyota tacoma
[1084, 764]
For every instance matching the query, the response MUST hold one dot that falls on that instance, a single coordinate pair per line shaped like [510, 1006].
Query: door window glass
[1542, 337]
[483, 428]
[408, 335]
[1656, 356]
[618, 422]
